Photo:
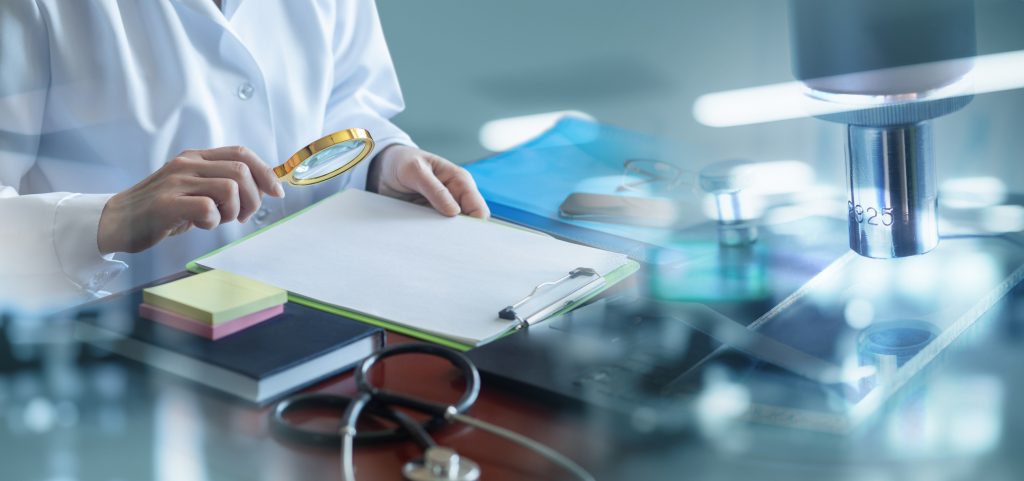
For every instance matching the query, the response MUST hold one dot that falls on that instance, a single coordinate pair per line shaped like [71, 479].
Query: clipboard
[590, 283]
[548, 301]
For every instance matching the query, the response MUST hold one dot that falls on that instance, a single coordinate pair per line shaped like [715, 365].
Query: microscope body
[894, 64]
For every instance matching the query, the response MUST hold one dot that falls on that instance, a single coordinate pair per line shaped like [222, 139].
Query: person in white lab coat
[127, 124]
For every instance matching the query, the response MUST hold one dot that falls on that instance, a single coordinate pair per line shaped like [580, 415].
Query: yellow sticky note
[215, 296]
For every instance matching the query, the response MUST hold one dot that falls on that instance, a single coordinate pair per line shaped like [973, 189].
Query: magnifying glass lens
[326, 157]
[329, 160]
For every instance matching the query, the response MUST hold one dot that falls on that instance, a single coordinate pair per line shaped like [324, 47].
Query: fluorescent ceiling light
[789, 100]
[503, 134]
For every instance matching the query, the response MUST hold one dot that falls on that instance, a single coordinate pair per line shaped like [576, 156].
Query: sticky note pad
[202, 329]
[214, 296]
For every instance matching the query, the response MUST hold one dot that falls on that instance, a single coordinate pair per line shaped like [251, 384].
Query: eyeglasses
[644, 175]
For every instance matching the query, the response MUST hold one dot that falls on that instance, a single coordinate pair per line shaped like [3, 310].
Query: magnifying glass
[326, 157]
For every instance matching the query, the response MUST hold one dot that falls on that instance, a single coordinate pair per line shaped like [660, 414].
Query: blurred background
[642, 64]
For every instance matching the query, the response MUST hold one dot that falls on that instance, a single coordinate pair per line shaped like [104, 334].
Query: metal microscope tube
[893, 204]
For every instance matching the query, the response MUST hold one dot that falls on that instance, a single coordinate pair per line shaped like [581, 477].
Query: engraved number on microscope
[887, 218]
[870, 215]
[874, 215]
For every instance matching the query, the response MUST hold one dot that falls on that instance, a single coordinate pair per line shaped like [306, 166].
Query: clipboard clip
[510, 313]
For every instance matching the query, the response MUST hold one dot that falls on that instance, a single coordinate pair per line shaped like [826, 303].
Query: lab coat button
[245, 90]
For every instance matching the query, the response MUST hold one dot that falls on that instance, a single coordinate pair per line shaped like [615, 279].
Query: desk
[434, 379]
[70, 412]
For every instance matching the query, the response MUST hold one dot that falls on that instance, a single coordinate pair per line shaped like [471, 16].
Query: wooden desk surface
[432, 378]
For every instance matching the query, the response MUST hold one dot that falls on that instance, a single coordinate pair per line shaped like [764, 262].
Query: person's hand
[200, 188]
[409, 173]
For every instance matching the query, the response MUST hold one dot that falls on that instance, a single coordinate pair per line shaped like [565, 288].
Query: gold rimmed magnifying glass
[326, 157]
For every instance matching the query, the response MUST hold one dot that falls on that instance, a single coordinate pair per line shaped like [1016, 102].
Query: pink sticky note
[202, 329]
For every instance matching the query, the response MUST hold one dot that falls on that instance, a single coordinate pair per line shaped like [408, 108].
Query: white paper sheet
[407, 264]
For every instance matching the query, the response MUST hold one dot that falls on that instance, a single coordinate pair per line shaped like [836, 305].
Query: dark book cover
[299, 336]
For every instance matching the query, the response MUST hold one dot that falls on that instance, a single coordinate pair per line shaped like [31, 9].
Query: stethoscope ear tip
[441, 464]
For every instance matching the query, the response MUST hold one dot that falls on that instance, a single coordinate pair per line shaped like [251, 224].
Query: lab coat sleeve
[51, 237]
[366, 93]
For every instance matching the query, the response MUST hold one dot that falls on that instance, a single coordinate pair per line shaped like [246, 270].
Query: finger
[421, 179]
[199, 211]
[223, 192]
[248, 192]
[473, 204]
[181, 228]
[462, 186]
[262, 174]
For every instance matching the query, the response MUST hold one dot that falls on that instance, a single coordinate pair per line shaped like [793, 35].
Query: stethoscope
[438, 463]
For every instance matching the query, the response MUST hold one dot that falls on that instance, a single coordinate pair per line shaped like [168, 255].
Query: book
[259, 364]
[406, 267]
[214, 297]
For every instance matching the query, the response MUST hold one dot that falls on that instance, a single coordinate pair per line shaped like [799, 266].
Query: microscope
[895, 65]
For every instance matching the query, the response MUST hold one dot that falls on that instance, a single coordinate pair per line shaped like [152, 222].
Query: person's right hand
[201, 188]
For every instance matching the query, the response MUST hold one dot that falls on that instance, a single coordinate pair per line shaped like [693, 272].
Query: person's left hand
[409, 173]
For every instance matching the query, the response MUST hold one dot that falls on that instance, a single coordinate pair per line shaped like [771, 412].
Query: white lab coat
[97, 94]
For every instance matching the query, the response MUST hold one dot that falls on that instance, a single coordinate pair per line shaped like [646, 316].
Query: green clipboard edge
[612, 278]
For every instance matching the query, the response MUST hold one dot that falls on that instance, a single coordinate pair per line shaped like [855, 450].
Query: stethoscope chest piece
[441, 464]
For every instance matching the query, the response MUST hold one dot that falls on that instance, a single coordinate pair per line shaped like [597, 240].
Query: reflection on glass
[894, 315]
[178, 445]
[329, 159]
[650, 176]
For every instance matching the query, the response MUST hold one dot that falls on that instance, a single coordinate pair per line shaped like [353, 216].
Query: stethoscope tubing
[376, 402]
